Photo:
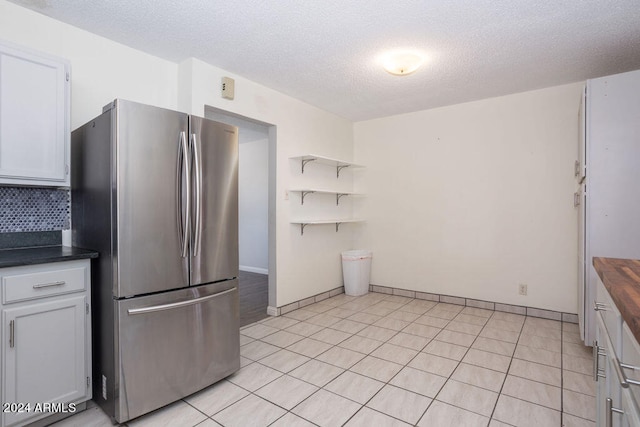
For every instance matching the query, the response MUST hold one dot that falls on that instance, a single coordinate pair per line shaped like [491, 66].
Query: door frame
[239, 120]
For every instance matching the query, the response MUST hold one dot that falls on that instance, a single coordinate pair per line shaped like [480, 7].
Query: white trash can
[356, 271]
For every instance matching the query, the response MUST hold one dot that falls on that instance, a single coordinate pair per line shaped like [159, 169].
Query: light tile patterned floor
[381, 360]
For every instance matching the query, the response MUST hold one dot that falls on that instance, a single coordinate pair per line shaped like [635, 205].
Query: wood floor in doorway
[253, 289]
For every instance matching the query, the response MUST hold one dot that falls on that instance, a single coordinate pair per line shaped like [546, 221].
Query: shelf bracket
[339, 168]
[338, 196]
[302, 226]
[304, 193]
[305, 161]
[337, 226]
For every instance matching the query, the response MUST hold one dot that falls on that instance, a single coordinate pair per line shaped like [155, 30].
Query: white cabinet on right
[616, 366]
[607, 174]
[34, 118]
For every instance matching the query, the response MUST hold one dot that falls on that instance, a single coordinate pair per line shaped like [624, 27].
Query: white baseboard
[272, 311]
[254, 269]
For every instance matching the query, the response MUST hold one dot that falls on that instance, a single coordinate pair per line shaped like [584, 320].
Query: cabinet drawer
[610, 315]
[44, 280]
[631, 357]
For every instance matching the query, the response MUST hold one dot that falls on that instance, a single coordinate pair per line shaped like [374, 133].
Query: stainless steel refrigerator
[156, 193]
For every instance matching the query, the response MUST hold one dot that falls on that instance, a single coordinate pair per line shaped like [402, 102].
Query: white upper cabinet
[34, 118]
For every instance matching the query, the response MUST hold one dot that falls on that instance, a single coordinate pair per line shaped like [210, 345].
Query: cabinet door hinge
[67, 76]
[88, 382]
[87, 308]
[66, 169]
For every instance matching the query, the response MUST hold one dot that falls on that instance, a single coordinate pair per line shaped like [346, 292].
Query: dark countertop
[42, 255]
[621, 278]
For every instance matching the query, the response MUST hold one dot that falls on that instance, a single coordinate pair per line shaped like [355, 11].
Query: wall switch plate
[522, 289]
[228, 87]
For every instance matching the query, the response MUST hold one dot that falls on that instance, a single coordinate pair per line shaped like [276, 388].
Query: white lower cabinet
[46, 353]
[616, 367]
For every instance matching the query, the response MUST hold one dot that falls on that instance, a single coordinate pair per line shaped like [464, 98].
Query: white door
[44, 354]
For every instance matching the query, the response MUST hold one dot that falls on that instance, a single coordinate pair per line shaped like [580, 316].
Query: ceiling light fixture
[401, 62]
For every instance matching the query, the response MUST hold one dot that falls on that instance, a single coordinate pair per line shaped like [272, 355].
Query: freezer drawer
[174, 344]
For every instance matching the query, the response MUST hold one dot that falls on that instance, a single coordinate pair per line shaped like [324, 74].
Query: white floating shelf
[303, 222]
[338, 164]
[338, 194]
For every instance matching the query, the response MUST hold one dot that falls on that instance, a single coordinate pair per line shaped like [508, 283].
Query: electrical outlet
[522, 289]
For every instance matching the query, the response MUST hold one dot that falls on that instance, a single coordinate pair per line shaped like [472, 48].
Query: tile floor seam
[396, 374]
[561, 373]
[207, 416]
[398, 304]
[459, 362]
[508, 369]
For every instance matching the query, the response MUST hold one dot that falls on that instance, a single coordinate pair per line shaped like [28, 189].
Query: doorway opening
[256, 213]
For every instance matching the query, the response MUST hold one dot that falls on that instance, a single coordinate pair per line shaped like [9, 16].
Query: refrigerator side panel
[149, 246]
[174, 344]
[215, 218]
[91, 154]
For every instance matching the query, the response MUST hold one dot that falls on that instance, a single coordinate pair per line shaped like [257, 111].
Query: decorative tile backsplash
[34, 209]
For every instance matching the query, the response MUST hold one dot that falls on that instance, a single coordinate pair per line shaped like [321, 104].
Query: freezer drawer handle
[47, 285]
[177, 304]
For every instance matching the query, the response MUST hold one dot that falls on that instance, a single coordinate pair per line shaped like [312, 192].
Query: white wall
[471, 200]
[305, 265]
[466, 200]
[253, 203]
[101, 70]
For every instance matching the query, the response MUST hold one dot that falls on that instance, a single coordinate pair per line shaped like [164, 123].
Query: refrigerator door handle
[183, 170]
[162, 307]
[198, 195]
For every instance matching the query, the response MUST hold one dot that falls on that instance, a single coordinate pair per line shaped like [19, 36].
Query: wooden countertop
[621, 278]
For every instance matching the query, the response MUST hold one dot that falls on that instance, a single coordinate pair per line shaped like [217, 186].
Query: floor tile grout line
[349, 369]
[450, 375]
[208, 416]
[344, 370]
[508, 369]
[423, 347]
[561, 373]
[396, 374]
[432, 339]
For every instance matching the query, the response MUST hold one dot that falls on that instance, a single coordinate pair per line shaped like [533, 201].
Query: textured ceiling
[324, 52]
